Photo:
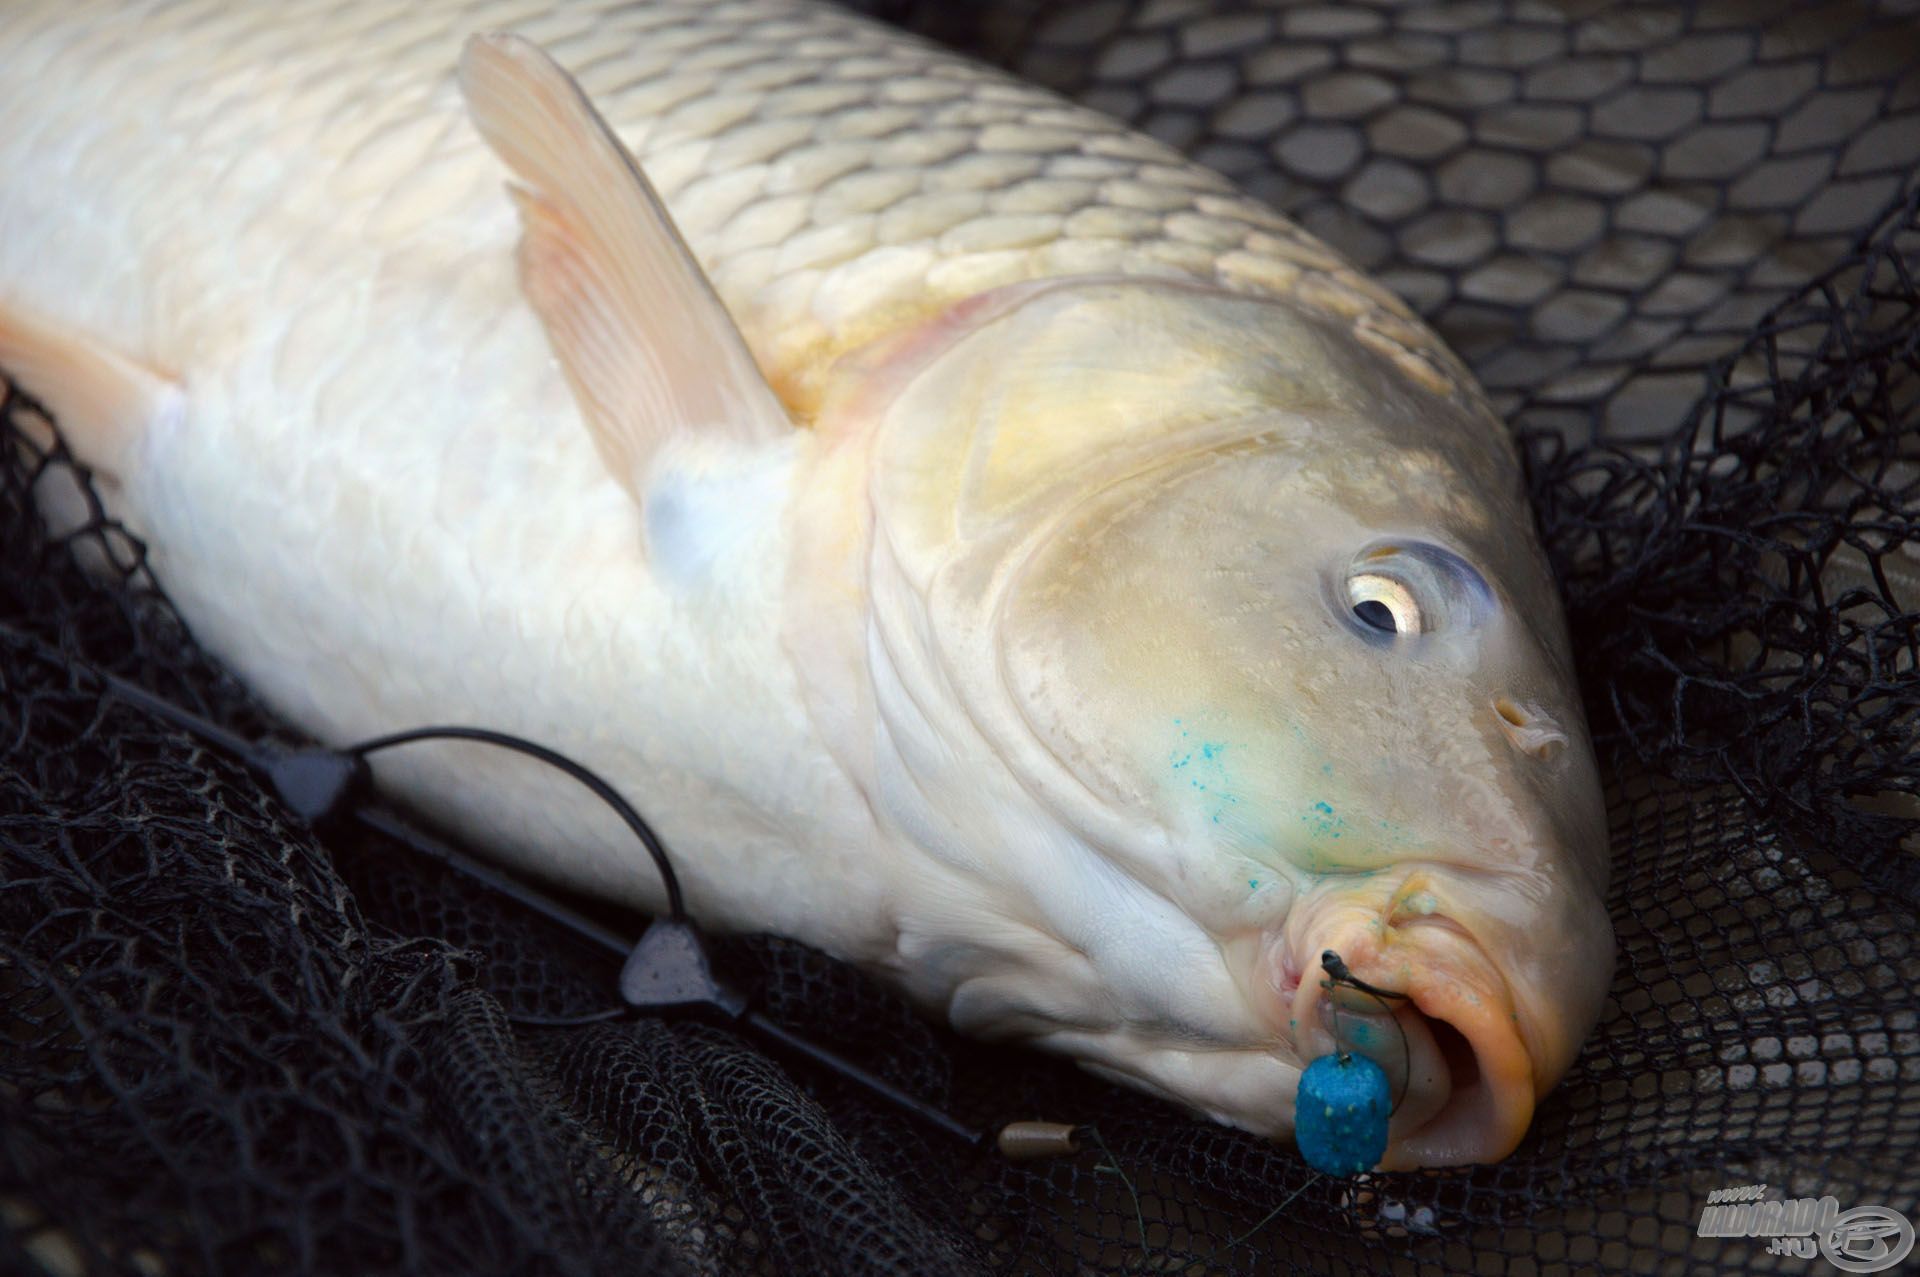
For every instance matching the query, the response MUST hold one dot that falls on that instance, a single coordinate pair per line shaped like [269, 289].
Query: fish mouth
[1447, 1034]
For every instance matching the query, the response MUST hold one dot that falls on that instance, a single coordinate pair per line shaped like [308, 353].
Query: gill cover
[1129, 508]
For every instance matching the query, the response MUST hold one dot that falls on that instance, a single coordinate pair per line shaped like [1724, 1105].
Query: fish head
[1216, 641]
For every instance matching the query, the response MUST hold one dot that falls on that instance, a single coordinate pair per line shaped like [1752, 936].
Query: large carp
[988, 546]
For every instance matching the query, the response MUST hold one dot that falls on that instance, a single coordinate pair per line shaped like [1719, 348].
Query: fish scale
[831, 175]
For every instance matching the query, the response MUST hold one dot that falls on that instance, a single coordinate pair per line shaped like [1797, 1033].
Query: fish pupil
[1377, 614]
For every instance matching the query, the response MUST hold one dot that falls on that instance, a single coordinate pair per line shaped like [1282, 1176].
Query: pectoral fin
[102, 401]
[643, 339]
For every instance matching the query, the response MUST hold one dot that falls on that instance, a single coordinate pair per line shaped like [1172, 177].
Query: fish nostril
[1528, 730]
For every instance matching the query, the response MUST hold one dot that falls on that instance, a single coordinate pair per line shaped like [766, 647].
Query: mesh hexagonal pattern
[1679, 243]
[1575, 195]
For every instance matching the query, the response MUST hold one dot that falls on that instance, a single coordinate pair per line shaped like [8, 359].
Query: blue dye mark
[1394, 832]
[1254, 883]
[1206, 771]
[1320, 818]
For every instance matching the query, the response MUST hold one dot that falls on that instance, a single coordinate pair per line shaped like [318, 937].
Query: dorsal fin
[644, 340]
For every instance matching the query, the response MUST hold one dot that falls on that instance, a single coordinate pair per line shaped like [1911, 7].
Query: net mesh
[1679, 243]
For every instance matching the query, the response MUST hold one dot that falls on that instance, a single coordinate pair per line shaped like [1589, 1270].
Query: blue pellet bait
[1340, 1117]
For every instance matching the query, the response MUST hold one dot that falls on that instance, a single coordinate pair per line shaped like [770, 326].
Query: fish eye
[1384, 604]
[1400, 589]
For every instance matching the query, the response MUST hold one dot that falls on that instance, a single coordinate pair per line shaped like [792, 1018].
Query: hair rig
[1342, 1110]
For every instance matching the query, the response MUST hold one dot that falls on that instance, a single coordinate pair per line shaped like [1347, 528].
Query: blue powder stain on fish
[1206, 771]
[1323, 821]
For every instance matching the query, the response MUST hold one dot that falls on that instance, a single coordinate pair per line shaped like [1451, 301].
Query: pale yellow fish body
[275, 235]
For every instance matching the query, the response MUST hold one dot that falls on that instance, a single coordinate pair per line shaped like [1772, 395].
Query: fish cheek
[1154, 645]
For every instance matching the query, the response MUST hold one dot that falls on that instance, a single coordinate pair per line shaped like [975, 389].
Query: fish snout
[1428, 1005]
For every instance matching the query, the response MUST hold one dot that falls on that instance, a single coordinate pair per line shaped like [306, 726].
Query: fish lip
[1466, 1023]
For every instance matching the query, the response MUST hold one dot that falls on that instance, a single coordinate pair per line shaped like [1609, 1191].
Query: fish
[987, 546]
